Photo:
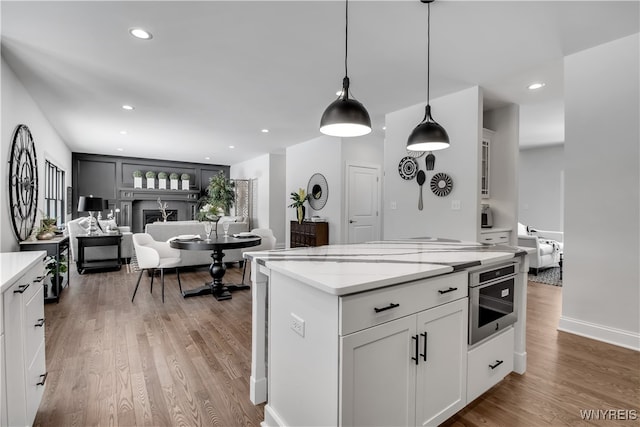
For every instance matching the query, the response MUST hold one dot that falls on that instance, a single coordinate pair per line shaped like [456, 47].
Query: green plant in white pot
[151, 179]
[162, 180]
[137, 179]
[185, 177]
[173, 178]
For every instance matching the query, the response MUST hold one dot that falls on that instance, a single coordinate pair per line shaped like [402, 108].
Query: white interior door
[363, 203]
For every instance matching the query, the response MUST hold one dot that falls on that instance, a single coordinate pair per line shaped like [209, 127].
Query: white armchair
[152, 255]
[268, 242]
[549, 246]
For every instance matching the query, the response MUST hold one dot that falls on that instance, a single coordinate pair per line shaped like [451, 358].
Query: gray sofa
[164, 231]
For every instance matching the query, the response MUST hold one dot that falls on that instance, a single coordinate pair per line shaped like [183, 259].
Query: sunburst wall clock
[23, 183]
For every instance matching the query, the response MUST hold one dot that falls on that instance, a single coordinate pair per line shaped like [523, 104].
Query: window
[54, 192]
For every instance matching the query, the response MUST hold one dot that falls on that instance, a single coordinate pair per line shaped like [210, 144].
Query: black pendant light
[428, 135]
[345, 117]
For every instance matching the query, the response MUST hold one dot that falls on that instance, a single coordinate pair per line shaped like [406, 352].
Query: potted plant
[298, 202]
[151, 179]
[174, 180]
[221, 190]
[185, 180]
[137, 179]
[55, 270]
[162, 180]
[47, 227]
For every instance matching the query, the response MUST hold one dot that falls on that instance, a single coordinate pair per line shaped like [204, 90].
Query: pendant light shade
[345, 117]
[428, 135]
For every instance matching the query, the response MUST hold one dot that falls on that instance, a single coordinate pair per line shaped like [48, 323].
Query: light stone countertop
[346, 269]
[15, 264]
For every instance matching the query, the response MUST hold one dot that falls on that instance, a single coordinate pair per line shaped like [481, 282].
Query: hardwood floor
[187, 362]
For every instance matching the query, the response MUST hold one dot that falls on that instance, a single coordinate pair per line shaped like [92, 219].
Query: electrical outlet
[455, 205]
[394, 205]
[297, 324]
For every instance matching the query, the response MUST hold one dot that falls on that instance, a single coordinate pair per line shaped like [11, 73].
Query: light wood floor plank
[187, 362]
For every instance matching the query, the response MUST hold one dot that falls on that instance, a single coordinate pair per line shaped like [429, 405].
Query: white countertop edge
[15, 264]
[494, 230]
[360, 287]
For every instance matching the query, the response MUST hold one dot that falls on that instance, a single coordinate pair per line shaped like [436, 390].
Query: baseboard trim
[257, 390]
[271, 418]
[602, 333]
[520, 362]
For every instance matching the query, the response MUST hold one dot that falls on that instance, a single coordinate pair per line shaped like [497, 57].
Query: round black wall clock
[23, 183]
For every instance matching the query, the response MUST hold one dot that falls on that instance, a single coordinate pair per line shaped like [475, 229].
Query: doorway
[362, 202]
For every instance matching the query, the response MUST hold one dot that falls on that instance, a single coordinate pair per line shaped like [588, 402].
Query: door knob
[351, 221]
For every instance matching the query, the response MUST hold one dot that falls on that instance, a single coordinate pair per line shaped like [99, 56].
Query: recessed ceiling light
[139, 33]
[232, 146]
[339, 93]
[123, 132]
[265, 131]
[120, 149]
[128, 107]
[207, 158]
[537, 85]
[384, 128]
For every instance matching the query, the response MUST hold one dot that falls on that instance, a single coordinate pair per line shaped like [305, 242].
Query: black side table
[57, 248]
[107, 239]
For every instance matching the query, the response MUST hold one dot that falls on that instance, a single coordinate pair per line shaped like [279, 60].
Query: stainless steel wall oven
[492, 305]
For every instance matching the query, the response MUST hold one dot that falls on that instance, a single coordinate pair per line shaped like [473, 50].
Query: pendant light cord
[346, 35]
[428, 48]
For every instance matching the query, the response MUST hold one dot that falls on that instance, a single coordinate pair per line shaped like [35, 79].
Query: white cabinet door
[3, 387]
[378, 375]
[14, 356]
[442, 371]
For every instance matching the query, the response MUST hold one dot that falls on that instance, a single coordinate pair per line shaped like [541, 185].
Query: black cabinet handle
[424, 348]
[44, 378]
[21, 289]
[39, 279]
[498, 363]
[389, 307]
[415, 338]
[447, 290]
[40, 323]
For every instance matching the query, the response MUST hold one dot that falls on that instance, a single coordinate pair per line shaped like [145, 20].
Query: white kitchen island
[376, 333]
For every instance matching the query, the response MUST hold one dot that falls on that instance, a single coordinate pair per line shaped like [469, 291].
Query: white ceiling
[216, 73]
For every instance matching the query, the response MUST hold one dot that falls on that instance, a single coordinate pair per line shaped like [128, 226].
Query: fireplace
[154, 215]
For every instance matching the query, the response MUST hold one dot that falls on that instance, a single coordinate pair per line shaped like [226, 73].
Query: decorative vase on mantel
[185, 181]
[300, 213]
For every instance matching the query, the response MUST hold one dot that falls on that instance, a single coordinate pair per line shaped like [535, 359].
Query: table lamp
[91, 204]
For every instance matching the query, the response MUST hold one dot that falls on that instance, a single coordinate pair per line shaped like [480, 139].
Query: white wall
[320, 155]
[17, 107]
[461, 115]
[267, 175]
[601, 289]
[541, 200]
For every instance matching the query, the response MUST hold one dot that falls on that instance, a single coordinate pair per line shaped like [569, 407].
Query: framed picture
[69, 208]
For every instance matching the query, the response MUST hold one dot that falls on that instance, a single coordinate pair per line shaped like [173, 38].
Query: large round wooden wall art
[23, 183]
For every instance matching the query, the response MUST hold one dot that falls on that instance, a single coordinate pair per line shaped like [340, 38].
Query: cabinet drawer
[34, 335]
[34, 388]
[482, 372]
[366, 309]
[498, 237]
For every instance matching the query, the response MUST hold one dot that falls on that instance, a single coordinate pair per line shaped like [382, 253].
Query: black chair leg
[244, 269]
[179, 284]
[153, 274]
[137, 284]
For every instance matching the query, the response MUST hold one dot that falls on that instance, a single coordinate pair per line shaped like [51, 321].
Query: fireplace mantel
[153, 194]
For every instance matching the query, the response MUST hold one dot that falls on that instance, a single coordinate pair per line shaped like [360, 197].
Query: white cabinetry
[496, 236]
[411, 371]
[391, 356]
[3, 374]
[24, 350]
[489, 363]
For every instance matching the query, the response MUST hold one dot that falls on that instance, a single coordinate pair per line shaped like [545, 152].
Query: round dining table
[217, 269]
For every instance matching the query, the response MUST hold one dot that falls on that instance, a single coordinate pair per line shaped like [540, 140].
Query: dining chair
[153, 255]
[268, 242]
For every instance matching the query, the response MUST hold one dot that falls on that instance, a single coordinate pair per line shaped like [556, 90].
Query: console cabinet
[309, 233]
[23, 350]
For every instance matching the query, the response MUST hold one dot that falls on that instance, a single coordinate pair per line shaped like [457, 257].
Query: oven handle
[493, 282]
